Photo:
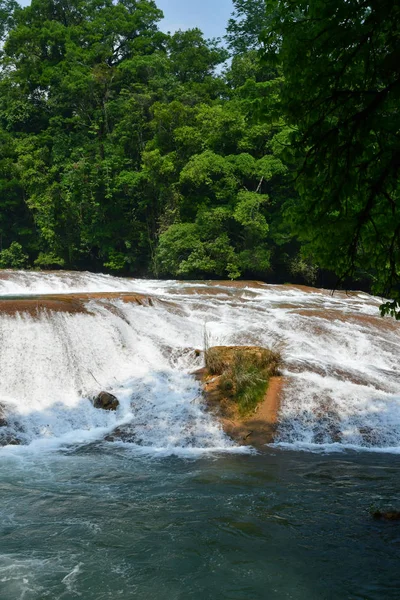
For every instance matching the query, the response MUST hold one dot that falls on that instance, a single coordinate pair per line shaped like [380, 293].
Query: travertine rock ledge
[257, 427]
[66, 303]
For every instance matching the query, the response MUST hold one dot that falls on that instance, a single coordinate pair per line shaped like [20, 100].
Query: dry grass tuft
[215, 361]
[244, 372]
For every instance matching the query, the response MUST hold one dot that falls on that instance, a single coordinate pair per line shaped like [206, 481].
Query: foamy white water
[341, 363]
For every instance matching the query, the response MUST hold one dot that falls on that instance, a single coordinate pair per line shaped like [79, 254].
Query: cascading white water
[341, 363]
[51, 366]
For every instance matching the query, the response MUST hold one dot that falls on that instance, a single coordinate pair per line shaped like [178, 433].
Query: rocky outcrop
[256, 426]
[219, 359]
[106, 401]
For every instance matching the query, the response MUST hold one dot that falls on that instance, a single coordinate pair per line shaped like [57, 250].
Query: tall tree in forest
[245, 27]
[341, 63]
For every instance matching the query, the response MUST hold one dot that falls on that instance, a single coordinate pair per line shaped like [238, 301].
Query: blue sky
[211, 16]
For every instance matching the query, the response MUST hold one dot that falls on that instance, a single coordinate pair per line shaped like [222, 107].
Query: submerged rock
[106, 401]
[7, 437]
[9, 440]
[392, 515]
[121, 434]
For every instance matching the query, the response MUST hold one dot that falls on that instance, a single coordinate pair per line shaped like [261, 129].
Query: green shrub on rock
[13, 257]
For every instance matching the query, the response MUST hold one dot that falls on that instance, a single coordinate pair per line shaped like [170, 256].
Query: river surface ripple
[101, 523]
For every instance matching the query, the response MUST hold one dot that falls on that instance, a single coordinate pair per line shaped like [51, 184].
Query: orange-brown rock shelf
[66, 303]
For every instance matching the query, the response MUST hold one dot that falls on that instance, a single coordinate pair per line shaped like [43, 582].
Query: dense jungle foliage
[127, 149]
[340, 62]
[268, 154]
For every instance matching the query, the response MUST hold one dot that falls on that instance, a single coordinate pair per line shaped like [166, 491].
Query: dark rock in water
[121, 434]
[3, 420]
[12, 441]
[106, 401]
[8, 434]
[369, 435]
[392, 515]
[9, 440]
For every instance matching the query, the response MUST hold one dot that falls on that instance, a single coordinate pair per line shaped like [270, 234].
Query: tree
[7, 8]
[16, 222]
[193, 58]
[341, 64]
[246, 25]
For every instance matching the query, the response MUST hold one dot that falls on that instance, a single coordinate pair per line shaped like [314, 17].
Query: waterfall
[341, 363]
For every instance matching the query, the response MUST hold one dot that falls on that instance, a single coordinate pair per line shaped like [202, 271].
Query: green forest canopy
[126, 149]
